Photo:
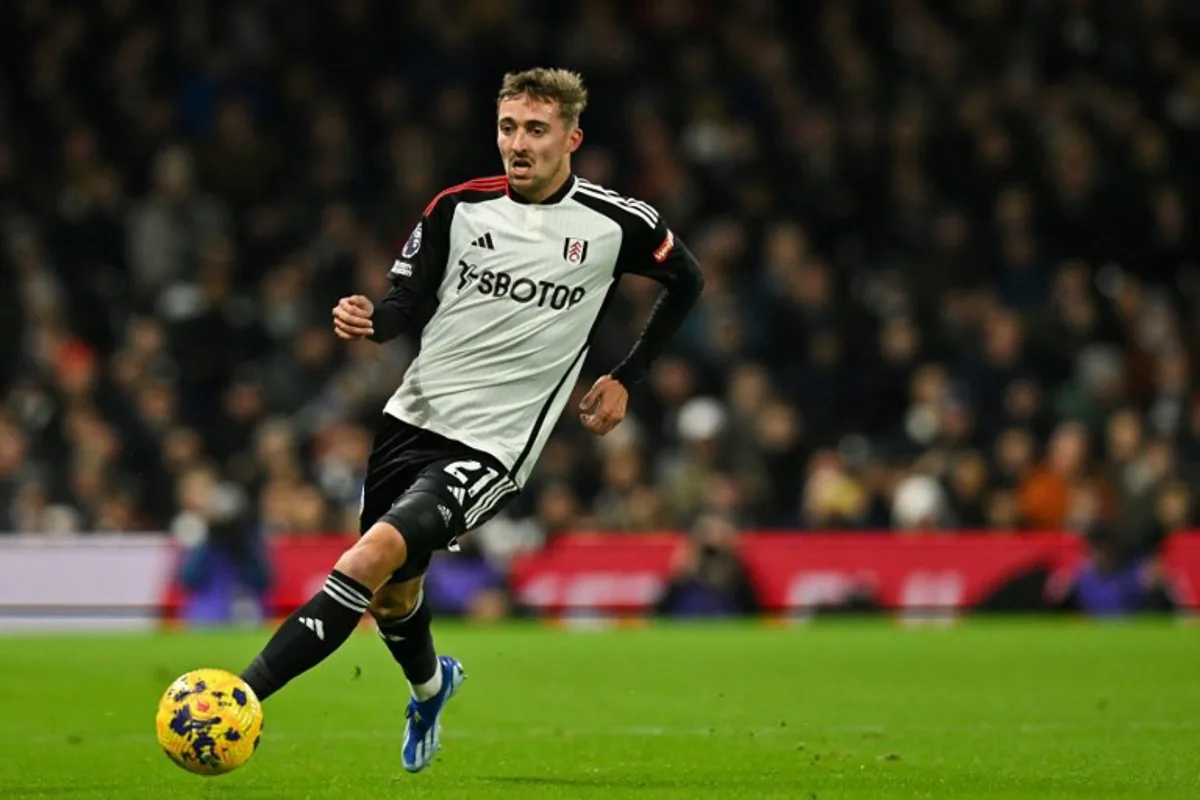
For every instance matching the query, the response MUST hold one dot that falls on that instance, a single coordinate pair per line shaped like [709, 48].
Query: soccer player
[503, 280]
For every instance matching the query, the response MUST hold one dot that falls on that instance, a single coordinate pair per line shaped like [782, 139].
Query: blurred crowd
[951, 250]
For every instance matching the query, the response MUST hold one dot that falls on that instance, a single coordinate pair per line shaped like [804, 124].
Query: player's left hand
[603, 407]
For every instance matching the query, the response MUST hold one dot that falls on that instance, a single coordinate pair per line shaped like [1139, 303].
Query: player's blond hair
[556, 85]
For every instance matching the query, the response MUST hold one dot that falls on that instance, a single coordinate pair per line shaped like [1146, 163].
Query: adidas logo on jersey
[447, 514]
[484, 241]
[314, 625]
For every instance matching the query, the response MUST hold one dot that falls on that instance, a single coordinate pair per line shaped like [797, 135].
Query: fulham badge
[575, 250]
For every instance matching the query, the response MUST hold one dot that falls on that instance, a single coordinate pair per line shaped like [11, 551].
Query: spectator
[950, 250]
[708, 579]
[167, 226]
[13, 449]
[1046, 494]
[920, 504]
[223, 565]
[1112, 582]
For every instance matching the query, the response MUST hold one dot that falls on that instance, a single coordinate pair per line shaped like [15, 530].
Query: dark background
[950, 247]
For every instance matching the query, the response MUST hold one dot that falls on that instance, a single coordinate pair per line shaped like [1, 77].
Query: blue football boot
[422, 733]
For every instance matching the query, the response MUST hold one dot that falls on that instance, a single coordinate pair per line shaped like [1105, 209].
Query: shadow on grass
[601, 782]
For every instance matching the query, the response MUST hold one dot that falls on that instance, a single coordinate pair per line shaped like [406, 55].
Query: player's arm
[655, 253]
[667, 260]
[410, 300]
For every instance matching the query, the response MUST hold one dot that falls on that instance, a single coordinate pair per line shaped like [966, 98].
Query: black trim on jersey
[627, 205]
[541, 417]
[683, 281]
[412, 299]
[653, 252]
[559, 194]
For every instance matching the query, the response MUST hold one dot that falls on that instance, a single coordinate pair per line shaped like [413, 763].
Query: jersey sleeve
[415, 276]
[655, 252]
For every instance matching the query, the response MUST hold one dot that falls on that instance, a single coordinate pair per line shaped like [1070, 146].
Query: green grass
[1013, 709]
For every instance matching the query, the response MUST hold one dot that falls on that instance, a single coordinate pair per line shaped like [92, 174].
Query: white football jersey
[505, 294]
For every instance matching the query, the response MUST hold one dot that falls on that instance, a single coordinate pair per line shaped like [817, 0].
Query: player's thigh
[424, 515]
[431, 501]
[476, 486]
[391, 470]
[450, 497]
[393, 467]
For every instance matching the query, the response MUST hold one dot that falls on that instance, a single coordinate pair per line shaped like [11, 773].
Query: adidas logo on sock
[314, 625]
[485, 242]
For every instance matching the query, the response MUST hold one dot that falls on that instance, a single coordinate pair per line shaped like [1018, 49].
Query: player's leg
[454, 495]
[322, 624]
[427, 513]
[319, 627]
[404, 620]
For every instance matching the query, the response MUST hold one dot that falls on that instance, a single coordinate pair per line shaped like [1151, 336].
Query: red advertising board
[799, 571]
[620, 573]
[299, 566]
[1181, 561]
[626, 573]
[896, 571]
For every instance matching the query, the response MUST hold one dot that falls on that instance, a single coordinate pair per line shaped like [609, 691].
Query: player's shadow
[600, 782]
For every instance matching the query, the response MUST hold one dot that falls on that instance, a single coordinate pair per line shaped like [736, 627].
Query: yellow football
[209, 721]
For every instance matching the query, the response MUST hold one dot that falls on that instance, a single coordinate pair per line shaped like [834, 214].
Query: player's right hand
[352, 318]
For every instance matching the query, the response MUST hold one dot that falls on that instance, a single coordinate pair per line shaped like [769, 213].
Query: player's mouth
[521, 167]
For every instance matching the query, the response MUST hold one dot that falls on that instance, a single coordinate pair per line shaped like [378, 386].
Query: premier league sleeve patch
[414, 242]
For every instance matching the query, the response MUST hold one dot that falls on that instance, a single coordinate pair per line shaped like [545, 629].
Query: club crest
[575, 250]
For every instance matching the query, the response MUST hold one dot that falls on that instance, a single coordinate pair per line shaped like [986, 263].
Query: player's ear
[574, 139]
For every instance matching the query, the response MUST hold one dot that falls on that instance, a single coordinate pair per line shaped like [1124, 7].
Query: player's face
[535, 144]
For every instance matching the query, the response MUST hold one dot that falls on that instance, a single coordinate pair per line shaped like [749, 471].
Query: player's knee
[396, 602]
[376, 555]
[423, 519]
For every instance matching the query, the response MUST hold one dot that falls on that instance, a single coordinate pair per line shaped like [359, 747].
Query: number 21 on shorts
[462, 472]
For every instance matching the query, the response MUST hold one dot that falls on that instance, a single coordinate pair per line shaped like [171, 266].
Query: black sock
[411, 643]
[309, 635]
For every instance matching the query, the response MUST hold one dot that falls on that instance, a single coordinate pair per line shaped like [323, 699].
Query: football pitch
[838, 709]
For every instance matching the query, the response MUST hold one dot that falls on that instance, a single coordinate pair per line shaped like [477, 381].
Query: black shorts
[465, 487]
